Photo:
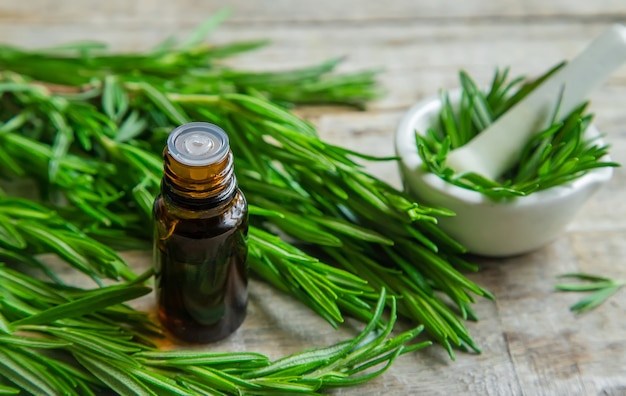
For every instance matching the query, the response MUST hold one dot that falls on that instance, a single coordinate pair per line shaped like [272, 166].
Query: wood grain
[532, 344]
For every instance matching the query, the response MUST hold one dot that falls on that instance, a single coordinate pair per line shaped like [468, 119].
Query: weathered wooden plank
[285, 11]
[532, 344]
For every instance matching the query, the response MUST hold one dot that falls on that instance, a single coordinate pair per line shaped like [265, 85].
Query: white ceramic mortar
[482, 225]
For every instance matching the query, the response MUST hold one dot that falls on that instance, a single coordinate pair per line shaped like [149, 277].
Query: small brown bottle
[200, 238]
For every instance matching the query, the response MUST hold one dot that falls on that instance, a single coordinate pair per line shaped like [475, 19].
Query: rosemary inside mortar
[554, 156]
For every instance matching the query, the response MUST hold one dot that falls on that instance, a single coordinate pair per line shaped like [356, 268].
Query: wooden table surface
[532, 344]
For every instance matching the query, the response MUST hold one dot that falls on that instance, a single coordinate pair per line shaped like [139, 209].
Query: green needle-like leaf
[24, 377]
[7, 390]
[116, 378]
[83, 306]
[602, 288]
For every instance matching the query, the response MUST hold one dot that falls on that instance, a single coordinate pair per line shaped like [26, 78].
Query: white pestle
[498, 147]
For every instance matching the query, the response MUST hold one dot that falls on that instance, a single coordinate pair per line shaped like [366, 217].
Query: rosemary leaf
[602, 288]
[105, 297]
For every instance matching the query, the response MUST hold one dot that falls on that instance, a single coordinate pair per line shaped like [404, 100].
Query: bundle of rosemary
[88, 127]
[56, 339]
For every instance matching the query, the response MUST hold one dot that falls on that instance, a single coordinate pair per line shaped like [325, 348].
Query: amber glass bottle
[200, 248]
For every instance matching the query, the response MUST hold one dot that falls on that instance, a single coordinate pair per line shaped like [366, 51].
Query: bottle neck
[204, 187]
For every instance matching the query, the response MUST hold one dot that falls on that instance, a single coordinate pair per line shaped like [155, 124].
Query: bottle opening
[198, 144]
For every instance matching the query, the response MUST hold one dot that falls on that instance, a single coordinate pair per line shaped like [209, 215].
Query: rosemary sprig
[78, 342]
[328, 195]
[28, 228]
[602, 289]
[89, 126]
[554, 156]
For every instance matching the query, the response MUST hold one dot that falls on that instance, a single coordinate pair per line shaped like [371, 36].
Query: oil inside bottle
[200, 237]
